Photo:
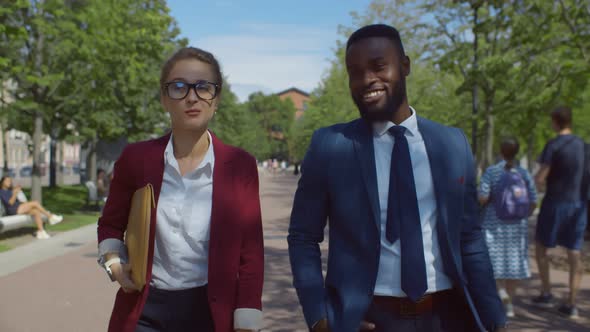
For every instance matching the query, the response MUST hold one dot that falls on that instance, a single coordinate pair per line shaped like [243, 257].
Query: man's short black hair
[562, 117]
[509, 148]
[377, 30]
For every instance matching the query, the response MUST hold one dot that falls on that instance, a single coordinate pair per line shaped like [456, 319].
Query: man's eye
[354, 73]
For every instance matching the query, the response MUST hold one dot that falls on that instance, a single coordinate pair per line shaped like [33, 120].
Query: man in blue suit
[406, 252]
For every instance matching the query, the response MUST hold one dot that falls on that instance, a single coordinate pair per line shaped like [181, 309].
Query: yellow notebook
[138, 232]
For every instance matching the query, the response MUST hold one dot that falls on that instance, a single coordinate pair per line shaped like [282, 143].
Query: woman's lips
[192, 112]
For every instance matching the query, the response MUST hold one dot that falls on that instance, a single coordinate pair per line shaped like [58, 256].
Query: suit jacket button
[213, 299]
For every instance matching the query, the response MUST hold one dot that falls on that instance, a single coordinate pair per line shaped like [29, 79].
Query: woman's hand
[322, 326]
[122, 273]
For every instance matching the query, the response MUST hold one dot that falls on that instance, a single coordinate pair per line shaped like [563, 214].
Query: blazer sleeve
[113, 222]
[251, 269]
[476, 261]
[306, 231]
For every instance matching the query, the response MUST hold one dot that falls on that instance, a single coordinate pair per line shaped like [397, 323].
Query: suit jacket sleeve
[306, 231]
[476, 261]
[251, 270]
[113, 222]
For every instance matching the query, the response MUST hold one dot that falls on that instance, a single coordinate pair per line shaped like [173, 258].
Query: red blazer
[236, 251]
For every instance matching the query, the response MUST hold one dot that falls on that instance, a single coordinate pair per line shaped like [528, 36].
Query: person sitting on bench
[13, 206]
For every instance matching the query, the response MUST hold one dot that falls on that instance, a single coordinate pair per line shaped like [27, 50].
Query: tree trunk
[60, 178]
[4, 133]
[37, 141]
[489, 138]
[530, 150]
[52, 163]
[38, 120]
[474, 95]
[91, 165]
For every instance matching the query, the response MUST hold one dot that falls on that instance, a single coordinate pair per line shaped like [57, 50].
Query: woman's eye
[178, 86]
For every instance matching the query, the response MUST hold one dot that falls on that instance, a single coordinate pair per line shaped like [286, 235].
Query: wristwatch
[107, 266]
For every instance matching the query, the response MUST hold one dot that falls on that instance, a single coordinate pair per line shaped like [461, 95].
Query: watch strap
[107, 266]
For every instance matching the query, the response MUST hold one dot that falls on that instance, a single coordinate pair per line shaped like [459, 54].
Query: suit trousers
[177, 310]
[453, 316]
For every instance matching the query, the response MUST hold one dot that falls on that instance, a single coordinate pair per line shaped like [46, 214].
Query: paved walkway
[56, 285]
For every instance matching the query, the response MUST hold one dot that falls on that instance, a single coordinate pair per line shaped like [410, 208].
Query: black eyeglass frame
[192, 86]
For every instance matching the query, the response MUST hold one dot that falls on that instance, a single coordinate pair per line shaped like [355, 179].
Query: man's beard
[385, 113]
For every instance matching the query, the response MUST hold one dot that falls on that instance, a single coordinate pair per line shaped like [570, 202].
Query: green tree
[235, 125]
[89, 68]
[122, 61]
[431, 91]
[275, 117]
[35, 70]
[518, 71]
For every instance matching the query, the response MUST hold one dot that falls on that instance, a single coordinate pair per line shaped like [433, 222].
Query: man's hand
[17, 189]
[322, 326]
[122, 273]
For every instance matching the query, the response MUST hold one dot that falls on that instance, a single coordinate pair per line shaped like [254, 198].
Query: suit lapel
[154, 165]
[154, 173]
[363, 146]
[438, 167]
[222, 188]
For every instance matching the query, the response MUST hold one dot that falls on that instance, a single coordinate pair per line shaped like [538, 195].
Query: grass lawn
[73, 221]
[4, 247]
[63, 200]
[69, 201]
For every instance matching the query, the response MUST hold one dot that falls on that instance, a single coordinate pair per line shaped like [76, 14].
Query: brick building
[299, 98]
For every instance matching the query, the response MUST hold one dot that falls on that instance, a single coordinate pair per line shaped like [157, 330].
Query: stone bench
[8, 223]
[93, 200]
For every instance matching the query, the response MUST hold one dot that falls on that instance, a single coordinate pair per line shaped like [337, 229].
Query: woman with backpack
[508, 196]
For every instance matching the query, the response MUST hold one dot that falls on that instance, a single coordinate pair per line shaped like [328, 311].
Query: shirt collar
[206, 164]
[411, 124]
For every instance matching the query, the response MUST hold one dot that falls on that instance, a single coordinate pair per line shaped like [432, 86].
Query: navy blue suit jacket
[339, 184]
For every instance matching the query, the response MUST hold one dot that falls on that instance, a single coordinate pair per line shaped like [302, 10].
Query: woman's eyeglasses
[203, 89]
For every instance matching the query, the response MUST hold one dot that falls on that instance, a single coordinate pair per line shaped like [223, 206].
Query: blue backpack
[511, 198]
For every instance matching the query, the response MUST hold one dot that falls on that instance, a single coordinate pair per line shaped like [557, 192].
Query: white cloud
[271, 57]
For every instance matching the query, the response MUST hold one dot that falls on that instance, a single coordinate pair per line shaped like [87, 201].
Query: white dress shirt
[184, 217]
[389, 273]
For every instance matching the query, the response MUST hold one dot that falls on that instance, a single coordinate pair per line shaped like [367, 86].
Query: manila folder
[138, 233]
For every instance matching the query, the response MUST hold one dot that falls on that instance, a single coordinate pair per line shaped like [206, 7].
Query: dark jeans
[171, 311]
[454, 316]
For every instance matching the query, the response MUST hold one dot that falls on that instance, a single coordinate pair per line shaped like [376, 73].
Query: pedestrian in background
[562, 218]
[508, 196]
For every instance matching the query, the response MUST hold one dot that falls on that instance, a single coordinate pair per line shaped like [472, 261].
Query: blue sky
[266, 45]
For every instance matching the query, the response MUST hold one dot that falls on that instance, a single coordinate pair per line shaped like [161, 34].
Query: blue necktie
[403, 217]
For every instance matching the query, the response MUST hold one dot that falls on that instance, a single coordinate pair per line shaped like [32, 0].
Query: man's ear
[406, 65]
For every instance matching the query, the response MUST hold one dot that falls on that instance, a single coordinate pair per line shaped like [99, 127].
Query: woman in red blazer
[205, 258]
